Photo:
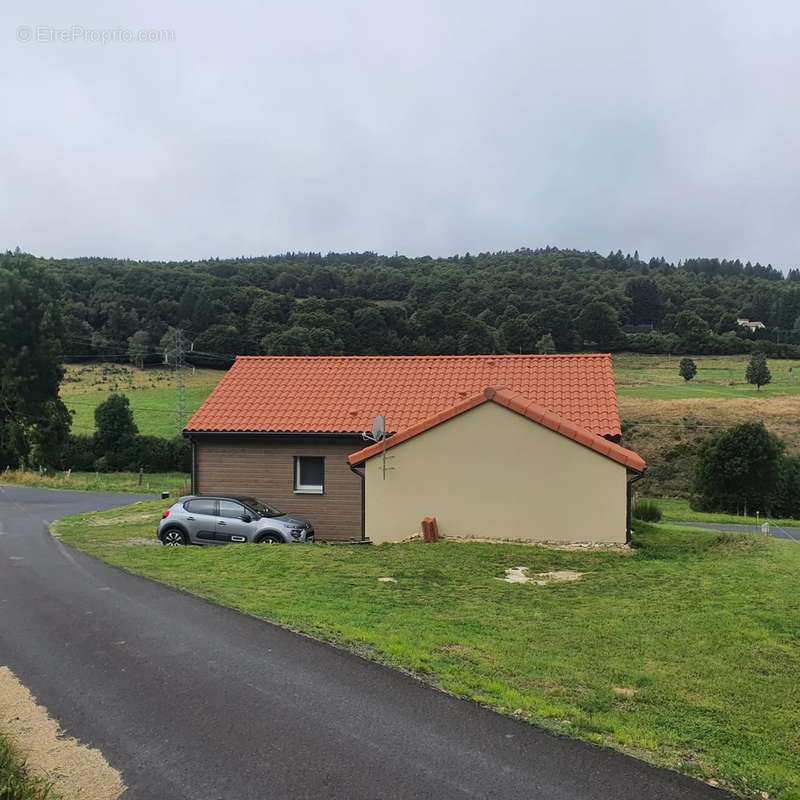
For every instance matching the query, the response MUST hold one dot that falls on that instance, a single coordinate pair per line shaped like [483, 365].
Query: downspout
[194, 465]
[361, 475]
[629, 516]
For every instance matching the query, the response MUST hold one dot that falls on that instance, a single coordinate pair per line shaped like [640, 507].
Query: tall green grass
[16, 780]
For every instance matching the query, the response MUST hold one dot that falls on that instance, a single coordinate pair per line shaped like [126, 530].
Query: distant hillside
[362, 303]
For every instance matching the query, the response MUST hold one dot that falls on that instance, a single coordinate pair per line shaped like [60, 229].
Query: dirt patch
[132, 518]
[457, 649]
[613, 547]
[624, 691]
[77, 772]
[559, 576]
[520, 575]
[517, 575]
[388, 580]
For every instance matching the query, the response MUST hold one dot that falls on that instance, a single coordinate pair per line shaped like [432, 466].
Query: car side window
[231, 510]
[201, 506]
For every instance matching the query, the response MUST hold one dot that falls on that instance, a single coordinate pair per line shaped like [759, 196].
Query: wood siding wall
[264, 468]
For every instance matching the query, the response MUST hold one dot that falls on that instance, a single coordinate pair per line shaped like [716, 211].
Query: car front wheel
[271, 538]
[173, 538]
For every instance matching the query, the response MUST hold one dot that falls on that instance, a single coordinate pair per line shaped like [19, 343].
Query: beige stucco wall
[493, 473]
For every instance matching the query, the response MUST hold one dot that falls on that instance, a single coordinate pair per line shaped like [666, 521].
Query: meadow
[151, 392]
[656, 377]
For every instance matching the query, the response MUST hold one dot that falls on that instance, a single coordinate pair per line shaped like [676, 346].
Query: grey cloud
[424, 127]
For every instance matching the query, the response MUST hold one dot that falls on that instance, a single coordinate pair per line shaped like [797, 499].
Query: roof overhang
[516, 402]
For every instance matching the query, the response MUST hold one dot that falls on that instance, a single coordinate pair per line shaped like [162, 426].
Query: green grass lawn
[16, 781]
[175, 483]
[656, 377]
[678, 510]
[685, 653]
[152, 394]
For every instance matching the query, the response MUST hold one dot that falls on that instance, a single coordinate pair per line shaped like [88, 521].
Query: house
[289, 431]
[751, 325]
[500, 466]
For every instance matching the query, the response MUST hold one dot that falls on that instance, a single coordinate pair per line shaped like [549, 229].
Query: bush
[687, 369]
[739, 468]
[83, 453]
[154, 454]
[647, 511]
[78, 453]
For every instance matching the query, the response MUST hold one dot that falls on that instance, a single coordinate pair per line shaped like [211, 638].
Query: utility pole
[180, 383]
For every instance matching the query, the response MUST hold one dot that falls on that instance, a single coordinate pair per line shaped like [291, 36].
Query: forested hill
[363, 303]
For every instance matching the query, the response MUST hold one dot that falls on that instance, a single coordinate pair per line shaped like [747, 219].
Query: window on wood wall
[309, 474]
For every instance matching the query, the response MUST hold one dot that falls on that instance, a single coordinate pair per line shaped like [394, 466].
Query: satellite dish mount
[378, 434]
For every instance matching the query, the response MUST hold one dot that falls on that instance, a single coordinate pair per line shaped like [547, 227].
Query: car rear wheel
[173, 538]
[270, 538]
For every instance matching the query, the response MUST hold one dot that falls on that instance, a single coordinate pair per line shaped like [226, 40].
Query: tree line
[525, 301]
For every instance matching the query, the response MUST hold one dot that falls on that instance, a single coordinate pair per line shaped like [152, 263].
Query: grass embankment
[685, 654]
[16, 781]
[176, 483]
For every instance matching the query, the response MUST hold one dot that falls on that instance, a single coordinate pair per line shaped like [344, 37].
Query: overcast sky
[416, 126]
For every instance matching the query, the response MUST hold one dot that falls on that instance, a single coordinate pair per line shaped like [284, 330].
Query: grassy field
[176, 483]
[655, 377]
[685, 653]
[16, 782]
[151, 393]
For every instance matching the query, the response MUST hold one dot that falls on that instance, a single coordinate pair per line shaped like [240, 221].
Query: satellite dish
[378, 427]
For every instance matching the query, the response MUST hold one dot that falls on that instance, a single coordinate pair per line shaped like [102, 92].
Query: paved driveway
[197, 702]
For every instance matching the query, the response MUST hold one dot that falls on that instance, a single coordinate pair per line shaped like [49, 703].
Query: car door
[231, 522]
[201, 519]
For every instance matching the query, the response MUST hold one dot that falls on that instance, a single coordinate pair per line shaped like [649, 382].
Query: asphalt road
[793, 534]
[197, 702]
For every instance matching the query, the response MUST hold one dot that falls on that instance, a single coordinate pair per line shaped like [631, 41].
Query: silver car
[224, 520]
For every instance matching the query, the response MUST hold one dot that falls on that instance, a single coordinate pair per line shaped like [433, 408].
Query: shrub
[78, 453]
[687, 369]
[737, 468]
[647, 511]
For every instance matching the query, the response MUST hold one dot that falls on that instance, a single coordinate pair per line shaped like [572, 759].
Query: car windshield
[260, 508]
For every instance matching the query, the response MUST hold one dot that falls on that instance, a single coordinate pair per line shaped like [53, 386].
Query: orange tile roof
[342, 394]
[520, 404]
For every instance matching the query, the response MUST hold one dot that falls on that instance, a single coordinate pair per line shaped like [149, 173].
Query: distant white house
[751, 325]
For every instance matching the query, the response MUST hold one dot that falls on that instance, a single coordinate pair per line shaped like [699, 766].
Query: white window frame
[300, 488]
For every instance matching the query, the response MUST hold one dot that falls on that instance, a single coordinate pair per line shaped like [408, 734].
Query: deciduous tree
[687, 369]
[757, 370]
